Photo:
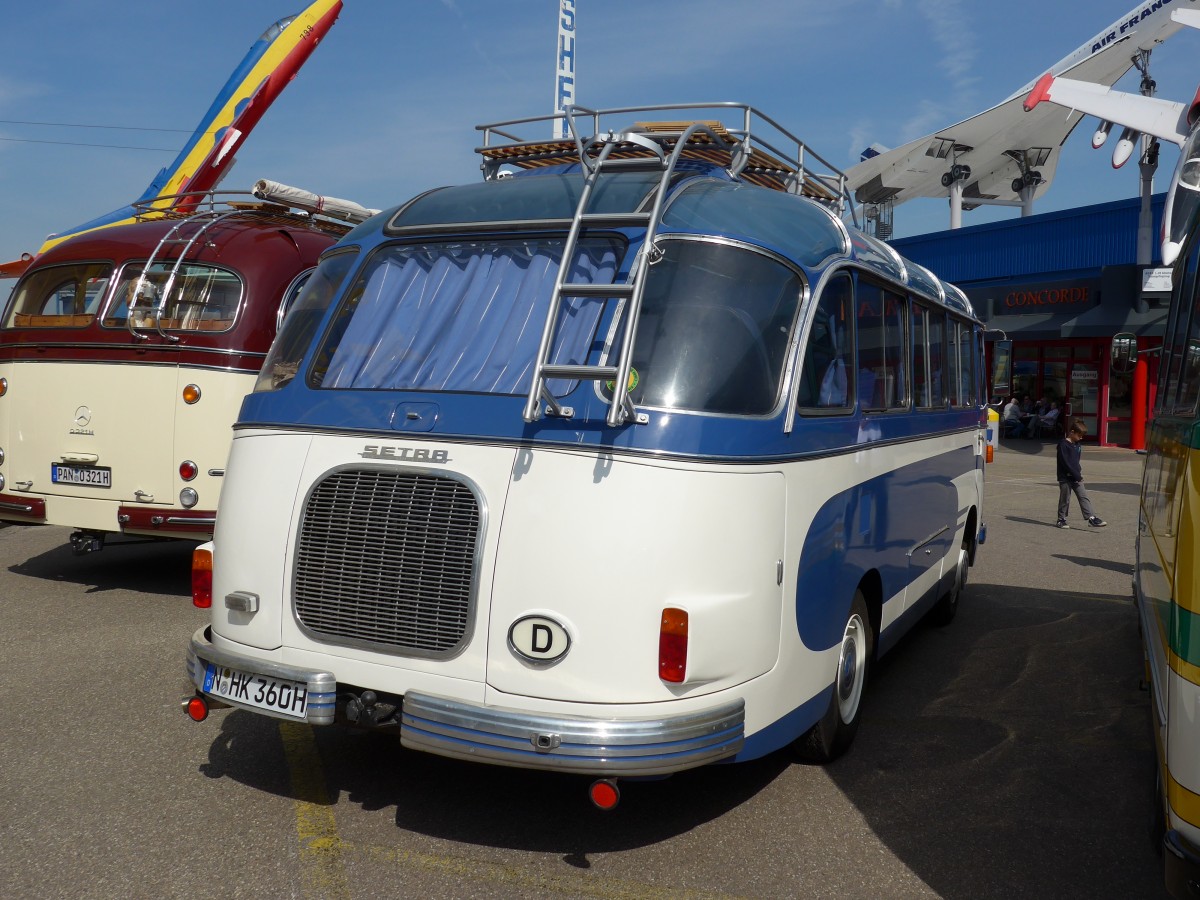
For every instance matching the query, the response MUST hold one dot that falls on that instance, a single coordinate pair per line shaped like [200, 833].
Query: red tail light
[202, 579]
[196, 708]
[605, 794]
[672, 645]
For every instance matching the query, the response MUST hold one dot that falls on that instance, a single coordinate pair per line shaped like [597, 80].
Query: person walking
[1070, 478]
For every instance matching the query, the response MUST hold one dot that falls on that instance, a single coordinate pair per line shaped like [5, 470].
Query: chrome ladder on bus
[620, 409]
[184, 232]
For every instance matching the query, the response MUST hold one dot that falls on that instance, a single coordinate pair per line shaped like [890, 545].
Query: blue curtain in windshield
[463, 316]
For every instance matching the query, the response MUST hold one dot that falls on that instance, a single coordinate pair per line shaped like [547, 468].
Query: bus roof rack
[244, 203]
[763, 152]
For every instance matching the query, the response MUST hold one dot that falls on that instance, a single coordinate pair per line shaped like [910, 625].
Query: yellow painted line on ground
[541, 884]
[323, 852]
[324, 877]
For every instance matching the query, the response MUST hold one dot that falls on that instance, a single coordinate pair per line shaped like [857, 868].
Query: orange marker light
[3, 386]
[672, 645]
[191, 394]
[202, 577]
[990, 452]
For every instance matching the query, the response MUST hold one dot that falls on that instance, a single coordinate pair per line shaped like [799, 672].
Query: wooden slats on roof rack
[762, 168]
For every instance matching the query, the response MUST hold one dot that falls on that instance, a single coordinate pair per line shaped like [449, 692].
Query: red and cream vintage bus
[125, 354]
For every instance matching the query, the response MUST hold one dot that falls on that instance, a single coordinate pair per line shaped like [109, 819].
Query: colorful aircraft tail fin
[271, 63]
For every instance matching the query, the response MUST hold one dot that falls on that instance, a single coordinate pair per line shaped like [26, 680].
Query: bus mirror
[1124, 353]
[1002, 368]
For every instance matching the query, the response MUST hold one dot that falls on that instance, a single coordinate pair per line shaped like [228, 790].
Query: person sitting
[1048, 421]
[1013, 426]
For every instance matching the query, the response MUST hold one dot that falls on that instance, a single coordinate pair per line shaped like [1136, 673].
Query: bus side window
[960, 364]
[937, 358]
[1181, 323]
[928, 356]
[920, 356]
[290, 295]
[882, 347]
[827, 378]
[1189, 365]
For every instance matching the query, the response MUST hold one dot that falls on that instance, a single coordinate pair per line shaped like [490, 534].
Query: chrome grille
[387, 560]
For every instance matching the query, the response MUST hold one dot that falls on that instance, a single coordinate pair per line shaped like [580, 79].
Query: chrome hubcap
[851, 670]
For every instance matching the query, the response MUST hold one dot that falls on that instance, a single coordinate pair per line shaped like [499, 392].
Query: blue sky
[387, 105]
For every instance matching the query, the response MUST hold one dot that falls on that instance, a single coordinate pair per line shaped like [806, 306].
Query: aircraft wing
[1164, 119]
[994, 145]
[271, 63]
[15, 268]
[998, 145]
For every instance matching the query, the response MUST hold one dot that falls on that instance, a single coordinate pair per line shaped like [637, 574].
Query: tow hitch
[369, 710]
[84, 542]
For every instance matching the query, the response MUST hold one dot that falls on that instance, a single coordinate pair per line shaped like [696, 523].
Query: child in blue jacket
[1070, 478]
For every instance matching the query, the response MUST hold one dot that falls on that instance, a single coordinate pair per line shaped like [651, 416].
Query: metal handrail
[809, 168]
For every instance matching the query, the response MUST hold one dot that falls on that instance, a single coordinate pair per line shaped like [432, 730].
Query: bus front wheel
[830, 737]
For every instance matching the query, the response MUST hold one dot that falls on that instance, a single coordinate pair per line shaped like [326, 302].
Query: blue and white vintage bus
[628, 462]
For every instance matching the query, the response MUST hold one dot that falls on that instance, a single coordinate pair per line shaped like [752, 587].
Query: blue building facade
[1059, 285]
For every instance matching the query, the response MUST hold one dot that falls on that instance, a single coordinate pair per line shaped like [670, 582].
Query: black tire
[833, 734]
[946, 608]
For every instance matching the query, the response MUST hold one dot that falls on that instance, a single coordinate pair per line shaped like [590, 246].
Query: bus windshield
[203, 298]
[461, 316]
[714, 329]
[60, 296]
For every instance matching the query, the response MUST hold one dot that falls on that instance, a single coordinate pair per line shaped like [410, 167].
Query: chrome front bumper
[591, 746]
[655, 745]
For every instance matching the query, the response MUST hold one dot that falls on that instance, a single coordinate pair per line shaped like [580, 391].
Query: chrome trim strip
[199, 520]
[142, 350]
[322, 686]
[563, 743]
[917, 546]
[976, 428]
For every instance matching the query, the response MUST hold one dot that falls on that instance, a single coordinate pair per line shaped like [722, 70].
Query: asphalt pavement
[1005, 755]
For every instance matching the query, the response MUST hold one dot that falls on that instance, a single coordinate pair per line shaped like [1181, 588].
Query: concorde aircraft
[1005, 155]
[267, 68]
[1163, 119]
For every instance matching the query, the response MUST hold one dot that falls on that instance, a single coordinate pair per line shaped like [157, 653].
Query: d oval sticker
[539, 639]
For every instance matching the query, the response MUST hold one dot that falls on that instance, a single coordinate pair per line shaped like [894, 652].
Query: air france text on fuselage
[1132, 22]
